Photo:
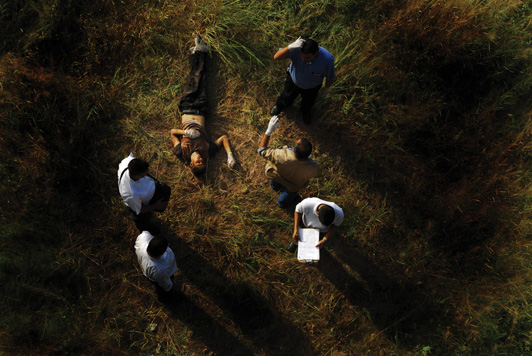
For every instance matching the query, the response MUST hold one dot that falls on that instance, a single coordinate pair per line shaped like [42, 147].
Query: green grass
[424, 141]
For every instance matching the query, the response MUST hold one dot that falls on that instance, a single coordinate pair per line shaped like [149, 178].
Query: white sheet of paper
[306, 248]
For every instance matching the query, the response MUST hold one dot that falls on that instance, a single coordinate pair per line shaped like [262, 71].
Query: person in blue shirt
[310, 64]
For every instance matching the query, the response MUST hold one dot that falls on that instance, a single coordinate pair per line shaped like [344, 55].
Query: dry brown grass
[427, 156]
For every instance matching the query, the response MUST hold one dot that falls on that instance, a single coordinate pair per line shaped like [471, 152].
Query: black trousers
[162, 295]
[142, 221]
[194, 98]
[290, 93]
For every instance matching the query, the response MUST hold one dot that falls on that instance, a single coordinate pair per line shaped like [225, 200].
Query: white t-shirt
[158, 270]
[308, 207]
[134, 193]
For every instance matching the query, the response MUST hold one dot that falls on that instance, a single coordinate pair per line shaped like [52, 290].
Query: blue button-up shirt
[307, 75]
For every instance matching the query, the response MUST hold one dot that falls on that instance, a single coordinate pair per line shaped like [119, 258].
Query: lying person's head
[198, 165]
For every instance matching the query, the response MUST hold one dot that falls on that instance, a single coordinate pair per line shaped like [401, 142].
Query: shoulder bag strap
[122, 174]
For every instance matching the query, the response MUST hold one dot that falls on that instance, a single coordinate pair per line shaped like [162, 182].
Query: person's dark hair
[326, 214]
[303, 149]
[157, 246]
[199, 172]
[137, 166]
[310, 47]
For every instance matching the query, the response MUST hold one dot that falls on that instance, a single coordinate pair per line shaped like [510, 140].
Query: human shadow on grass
[205, 329]
[439, 175]
[416, 197]
[437, 187]
[441, 170]
[250, 311]
[399, 310]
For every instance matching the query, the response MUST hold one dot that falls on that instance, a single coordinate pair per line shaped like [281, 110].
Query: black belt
[191, 112]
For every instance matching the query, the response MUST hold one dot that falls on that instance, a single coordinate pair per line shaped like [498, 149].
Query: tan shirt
[200, 144]
[284, 168]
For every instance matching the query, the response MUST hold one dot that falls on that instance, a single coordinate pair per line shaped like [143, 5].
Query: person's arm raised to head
[283, 52]
[174, 136]
[190, 133]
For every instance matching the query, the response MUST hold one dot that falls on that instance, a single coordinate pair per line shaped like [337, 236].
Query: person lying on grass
[190, 142]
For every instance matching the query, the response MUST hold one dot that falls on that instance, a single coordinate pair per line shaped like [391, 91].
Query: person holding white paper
[318, 214]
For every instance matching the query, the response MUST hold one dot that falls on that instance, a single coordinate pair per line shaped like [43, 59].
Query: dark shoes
[292, 247]
[275, 110]
[307, 117]
[199, 45]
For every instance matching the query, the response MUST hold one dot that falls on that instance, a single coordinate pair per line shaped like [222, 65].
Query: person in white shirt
[141, 193]
[318, 214]
[157, 262]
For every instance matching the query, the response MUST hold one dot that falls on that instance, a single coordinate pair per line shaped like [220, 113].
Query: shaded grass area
[424, 141]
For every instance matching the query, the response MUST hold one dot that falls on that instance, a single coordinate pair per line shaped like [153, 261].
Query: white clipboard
[307, 252]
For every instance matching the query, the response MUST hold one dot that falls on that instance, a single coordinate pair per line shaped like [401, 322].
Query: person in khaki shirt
[288, 168]
[190, 142]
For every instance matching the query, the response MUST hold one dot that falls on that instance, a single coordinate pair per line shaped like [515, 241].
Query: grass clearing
[424, 141]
